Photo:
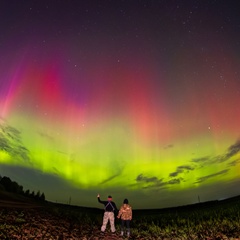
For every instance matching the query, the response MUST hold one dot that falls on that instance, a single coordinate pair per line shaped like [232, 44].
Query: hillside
[24, 218]
[11, 199]
[8, 199]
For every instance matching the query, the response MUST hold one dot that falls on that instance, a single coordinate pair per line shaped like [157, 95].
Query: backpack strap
[109, 203]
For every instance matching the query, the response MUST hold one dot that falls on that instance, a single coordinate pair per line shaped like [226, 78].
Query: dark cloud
[174, 181]
[233, 149]
[202, 179]
[168, 146]
[12, 132]
[218, 159]
[234, 163]
[174, 174]
[142, 178]
[44, 135]
[154, 182]
[181, 169]
[22, 152]
[231, 152]
[201, 160]
[150, 182]
[185, 167]
[10, 142]
[109, 179]
[4, 144]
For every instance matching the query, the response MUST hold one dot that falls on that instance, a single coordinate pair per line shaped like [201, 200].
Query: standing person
[125, 213]
[109, 207]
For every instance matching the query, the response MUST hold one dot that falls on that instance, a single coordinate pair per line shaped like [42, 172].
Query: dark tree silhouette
[42, 197]
[6, 184]
[27, 193]
[1, 187]
[37, 196]
[32, 195]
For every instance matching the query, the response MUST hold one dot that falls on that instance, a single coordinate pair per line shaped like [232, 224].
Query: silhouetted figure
[109, 207]
[125, 213]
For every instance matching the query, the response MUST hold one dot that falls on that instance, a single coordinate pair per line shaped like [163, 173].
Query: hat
[125, 201]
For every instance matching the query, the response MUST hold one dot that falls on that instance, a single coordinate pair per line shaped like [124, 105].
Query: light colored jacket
[125, 212]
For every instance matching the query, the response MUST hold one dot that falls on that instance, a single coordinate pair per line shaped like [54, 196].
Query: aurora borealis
[136, 99]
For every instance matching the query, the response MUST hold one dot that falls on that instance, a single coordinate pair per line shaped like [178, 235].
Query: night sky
[134, 99]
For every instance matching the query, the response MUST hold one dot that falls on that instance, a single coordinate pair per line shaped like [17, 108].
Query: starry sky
[136, 99]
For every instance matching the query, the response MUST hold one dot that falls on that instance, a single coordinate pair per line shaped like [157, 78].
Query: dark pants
[125, 223]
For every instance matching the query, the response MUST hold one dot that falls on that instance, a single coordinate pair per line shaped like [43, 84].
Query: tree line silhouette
[6, 184]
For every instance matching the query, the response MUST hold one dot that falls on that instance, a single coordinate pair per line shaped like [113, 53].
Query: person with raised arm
[109, 209]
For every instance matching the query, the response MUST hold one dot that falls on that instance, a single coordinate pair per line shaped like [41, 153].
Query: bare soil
[33, 221]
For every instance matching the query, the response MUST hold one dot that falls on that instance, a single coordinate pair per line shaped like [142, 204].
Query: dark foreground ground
[34, 222]
[29, 220]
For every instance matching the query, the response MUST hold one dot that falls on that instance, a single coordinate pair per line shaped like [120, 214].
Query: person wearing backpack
[109, 207]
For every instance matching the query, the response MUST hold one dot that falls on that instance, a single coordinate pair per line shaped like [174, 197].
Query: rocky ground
[32, 222]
